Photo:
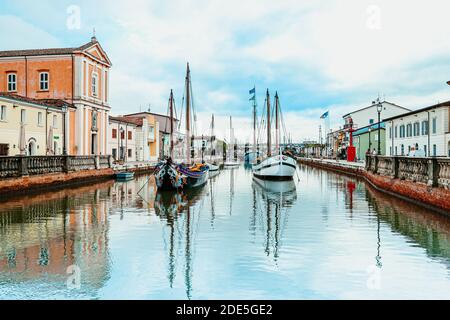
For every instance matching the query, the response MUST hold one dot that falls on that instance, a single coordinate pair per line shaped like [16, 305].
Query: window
[114, 134]
[390, 151]
[39, 118]
[396, 151]
[130, 153]
[434, 125]
[390, 134]
[424, 128]
[434, 150]
[402, 131]
[12, 82]
[23, 116]
[403, 150]
[416, 129]
[94, 84]
[130, 135]
[114, 153]
[396, 131]
[409, 130]
[3, 113]
[425, 149]
[43, 81]
[371, 121]
[55, 121]
[122, 134]
[151, 132]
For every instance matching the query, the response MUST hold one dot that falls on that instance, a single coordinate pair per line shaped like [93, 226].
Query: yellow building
[32, 127]
[147, 136]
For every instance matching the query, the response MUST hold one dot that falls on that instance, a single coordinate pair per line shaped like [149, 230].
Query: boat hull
[170, 176]
[213, 167]
[277, 168]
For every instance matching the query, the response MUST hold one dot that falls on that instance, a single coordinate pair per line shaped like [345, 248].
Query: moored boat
[124, 176]
[277, 167]
[170, 175]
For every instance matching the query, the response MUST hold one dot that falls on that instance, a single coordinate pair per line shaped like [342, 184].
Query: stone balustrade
[35, 165]
[434, 172]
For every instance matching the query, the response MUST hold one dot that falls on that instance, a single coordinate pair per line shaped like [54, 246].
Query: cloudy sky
[320, 55]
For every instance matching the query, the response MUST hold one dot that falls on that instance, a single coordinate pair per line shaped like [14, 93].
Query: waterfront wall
[24, 173]
[424, 181]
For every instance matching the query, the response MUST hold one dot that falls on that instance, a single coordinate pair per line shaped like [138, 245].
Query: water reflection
[233, 238]
[272, 201]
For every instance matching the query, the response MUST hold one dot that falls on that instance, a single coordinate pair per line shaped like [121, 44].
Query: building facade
[426, 130]
[122, 139]
[369, 115]
[366, 139]
[79, 76]
[163, 130]
[42, 125]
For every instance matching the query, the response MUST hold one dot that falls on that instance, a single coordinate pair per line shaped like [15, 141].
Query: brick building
[79, 76]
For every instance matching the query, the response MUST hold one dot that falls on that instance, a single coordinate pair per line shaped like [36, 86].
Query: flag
[252, 98]
[253, 91]
[325, 115]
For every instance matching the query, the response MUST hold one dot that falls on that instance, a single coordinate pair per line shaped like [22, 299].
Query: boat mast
[254, 126]
[231, 148]
[188, 115]
[171, 123]
[269, 140]
[213, 138]
[277, 124]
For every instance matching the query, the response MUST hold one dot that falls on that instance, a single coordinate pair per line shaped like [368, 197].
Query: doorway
[32, 148]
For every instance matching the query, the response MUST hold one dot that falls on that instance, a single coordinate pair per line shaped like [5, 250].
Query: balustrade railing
[35, 165]
[443, 173]
[432, 171]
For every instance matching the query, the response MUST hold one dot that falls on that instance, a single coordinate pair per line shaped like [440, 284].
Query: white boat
[231, 164]
[212, 167]
[278, 167]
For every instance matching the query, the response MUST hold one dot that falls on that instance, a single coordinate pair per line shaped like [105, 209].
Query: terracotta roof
[135, 121]
[56, 103]
[45, 52]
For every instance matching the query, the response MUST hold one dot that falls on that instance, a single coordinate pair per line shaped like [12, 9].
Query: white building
[426, 129]
[369, 115]
[122, 134]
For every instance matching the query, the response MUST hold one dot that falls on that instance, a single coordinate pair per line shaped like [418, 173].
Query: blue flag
[325, 115]
[253, 91]
[252, 98]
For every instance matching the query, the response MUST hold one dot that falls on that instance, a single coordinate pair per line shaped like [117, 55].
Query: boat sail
[231, 162]
[170, 175]
[277, 167]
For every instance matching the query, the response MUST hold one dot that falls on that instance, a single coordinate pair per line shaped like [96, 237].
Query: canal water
[324, 237]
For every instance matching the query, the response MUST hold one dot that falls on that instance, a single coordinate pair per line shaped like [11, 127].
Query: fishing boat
[231, 161]
[274, 166]
[170, 175]
[213, 164]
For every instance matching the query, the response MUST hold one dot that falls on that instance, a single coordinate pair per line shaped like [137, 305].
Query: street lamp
[379, 109]
[64, 110]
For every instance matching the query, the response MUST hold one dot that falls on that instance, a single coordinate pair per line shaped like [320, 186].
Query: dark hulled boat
[170, 175]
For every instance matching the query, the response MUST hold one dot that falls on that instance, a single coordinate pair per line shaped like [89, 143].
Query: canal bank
[23, 174]
[384, 175]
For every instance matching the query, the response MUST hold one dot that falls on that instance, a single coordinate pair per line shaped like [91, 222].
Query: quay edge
[434, 198]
